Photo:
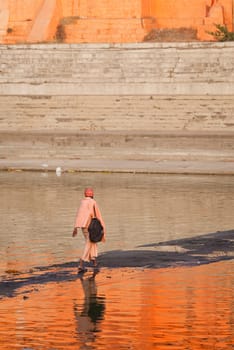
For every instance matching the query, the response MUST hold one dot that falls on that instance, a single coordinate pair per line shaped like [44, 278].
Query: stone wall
[118, 69]
[112, 21]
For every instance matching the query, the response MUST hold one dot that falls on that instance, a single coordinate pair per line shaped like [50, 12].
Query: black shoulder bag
[95, 229]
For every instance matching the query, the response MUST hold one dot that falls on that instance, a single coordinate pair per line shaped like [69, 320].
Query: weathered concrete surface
[117, 145]
[118, 69]
[153, 103]
[121, 166]
[144, 113]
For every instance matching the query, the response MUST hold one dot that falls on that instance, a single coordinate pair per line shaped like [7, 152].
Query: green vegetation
[222, 33]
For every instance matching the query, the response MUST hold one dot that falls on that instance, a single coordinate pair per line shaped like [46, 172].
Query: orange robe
[84, 215]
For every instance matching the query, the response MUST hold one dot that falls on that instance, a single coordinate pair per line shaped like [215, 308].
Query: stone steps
[102, 64]
[117, 113]
[117, 145]
[167, 101]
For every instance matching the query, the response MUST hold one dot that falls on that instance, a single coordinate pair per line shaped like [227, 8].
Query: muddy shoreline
[195, 251]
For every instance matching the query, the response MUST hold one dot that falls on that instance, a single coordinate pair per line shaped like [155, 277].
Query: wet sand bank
[199, 250]
[191, 251]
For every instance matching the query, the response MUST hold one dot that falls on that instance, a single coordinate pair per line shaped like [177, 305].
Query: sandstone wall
[112, 21]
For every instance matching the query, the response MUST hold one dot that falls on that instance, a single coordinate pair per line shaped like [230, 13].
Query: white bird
[58, 171]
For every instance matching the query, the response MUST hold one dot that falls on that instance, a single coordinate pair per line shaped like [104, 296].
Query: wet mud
[198, 250]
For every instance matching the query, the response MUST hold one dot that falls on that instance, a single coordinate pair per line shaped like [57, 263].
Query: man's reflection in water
[91, 313]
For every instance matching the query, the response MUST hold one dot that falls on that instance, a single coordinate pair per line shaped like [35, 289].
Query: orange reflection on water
[174, 308]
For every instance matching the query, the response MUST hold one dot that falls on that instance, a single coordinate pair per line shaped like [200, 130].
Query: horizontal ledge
[122, 166]
[142, 133]
[64, 89]
[103, 46]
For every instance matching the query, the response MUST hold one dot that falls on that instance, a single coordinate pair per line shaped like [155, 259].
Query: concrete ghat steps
[121, 103]
[112, 69]
[115, 113]
[116, 64]
[156, 146]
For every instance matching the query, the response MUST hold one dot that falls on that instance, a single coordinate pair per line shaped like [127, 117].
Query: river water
[157, 288]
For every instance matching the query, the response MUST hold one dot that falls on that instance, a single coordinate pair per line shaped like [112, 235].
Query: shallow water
[44, 305]
[181, 308]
